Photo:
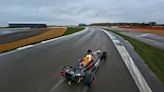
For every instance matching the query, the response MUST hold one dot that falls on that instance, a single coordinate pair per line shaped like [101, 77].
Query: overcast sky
[64, 12]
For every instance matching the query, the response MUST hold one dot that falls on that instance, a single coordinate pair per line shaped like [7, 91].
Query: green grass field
[152, 56]
[71, 30]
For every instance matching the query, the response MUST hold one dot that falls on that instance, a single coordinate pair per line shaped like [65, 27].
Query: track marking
[146, 34]
[25, 47]
[134, 71]
[137, 76]
[116, 41]
[56, 85]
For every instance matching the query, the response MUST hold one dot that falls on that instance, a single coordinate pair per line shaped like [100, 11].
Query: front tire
[104, 56]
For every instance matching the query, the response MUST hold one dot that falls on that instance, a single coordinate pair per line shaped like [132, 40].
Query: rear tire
[89, 80]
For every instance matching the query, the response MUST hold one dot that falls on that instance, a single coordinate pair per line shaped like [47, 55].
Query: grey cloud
[81, 11]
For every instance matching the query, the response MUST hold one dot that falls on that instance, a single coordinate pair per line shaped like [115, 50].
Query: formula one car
[80, 72]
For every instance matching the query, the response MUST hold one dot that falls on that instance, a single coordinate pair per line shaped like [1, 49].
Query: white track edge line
[134, 71]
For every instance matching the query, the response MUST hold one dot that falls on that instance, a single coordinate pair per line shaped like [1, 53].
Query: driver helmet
[90, 51]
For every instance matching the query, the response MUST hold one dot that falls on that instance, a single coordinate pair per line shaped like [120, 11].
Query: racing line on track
[134, 71]
[56, 85]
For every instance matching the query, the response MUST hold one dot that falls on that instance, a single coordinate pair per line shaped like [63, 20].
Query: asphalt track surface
[36, 69]
[12, 30]
[15, 36]
[148, 38]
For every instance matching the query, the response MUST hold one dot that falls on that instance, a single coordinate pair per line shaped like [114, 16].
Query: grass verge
[71, 30]
[152, 56]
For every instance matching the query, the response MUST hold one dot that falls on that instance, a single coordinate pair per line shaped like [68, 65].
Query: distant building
[31, 25]
[82, 24]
